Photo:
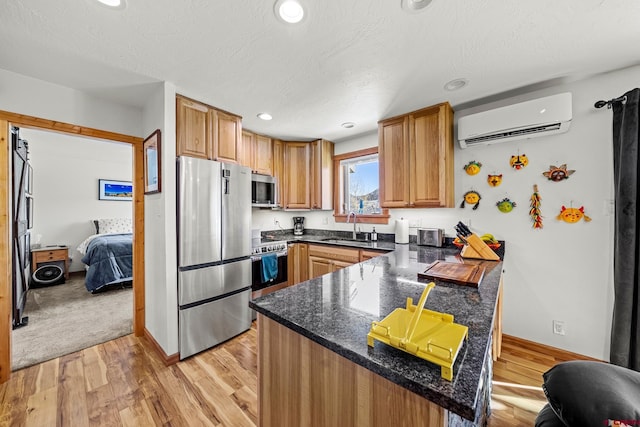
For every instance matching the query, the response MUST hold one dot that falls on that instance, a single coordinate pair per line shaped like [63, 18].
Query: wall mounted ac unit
[529, 119]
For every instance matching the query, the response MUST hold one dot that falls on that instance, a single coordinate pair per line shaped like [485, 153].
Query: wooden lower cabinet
[368, 254]
[319, 266]
[307, 261]
[301, 383]
[327, 259]
[297, 263]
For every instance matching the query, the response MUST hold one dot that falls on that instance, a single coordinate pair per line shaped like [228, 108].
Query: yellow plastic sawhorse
[428, 334]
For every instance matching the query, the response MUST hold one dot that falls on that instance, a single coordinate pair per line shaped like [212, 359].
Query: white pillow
[115, 225]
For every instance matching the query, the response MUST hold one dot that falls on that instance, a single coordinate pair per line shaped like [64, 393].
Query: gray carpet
[66, 318]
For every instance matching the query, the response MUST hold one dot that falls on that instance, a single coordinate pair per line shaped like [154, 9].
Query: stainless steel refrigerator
[214, 248]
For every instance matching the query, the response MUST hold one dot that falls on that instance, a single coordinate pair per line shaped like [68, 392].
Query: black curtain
[625, 333]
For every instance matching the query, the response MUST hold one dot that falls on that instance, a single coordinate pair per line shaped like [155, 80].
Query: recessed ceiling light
[113, 4]
[414, 6]
[456, 84]
[265, 116]
[348, 125]
[290, 11]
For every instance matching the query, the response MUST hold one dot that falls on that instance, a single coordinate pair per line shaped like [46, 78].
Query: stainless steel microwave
[263, 191]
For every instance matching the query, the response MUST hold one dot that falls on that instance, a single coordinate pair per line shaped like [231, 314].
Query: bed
[108, 256]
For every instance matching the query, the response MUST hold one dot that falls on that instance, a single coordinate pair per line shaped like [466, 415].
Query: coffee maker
[298, 225]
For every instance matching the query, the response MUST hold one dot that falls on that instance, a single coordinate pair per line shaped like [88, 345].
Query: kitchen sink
[347, 242]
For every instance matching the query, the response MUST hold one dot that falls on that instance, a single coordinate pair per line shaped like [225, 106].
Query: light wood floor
[124, 383]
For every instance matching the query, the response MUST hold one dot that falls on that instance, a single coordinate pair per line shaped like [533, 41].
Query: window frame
[382, 218]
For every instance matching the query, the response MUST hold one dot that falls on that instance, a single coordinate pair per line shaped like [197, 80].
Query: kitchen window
[356, 187]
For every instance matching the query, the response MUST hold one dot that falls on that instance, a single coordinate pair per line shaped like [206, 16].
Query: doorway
[88, 305]
[6, 120]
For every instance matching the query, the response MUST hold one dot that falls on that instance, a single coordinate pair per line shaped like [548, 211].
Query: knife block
[478, 249]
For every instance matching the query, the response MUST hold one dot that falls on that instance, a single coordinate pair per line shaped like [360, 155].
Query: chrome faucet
[355, 219]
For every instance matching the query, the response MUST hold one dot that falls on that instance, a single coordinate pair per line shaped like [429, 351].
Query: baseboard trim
[168, 360]
[558, 353]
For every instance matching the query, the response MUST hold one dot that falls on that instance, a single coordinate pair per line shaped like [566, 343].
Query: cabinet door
[193, 129]
[246, 149]
[303, 262]
[297, 164]
[338, 265]
[393, 155]
[227, 136]
[278, 169]
[431, 157]
[322, 174]
[262, 155]
[297, 269]
[367, 254]
[319, 266]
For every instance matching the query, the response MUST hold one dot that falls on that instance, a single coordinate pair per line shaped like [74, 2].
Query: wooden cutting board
[455, 272]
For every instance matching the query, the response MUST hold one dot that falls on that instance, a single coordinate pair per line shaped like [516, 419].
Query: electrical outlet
[275, 221]
[558, 327]
[414, 223]
[325, 220]
[609, 207]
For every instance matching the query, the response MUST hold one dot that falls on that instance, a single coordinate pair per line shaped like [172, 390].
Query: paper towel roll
[402, 231]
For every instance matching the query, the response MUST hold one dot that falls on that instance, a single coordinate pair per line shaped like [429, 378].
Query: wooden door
[319, 266]
[303, 262]
[322, 174]
[393, 155]
[337, 265]
[366, 254]
[263, 155]
[246, 149]
[297, 268]
[278, 169]
[431, 157]
[193, 129]
[297, 167]
[227, 136]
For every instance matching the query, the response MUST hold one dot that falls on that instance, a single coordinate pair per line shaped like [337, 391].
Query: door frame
[6, 120]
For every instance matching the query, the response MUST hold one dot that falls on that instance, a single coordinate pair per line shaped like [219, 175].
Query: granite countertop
[336, 311]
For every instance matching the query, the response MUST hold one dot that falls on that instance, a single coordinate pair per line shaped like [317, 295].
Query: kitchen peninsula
[315, 368]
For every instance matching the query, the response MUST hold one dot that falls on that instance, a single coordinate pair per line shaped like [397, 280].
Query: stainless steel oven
[258, 287]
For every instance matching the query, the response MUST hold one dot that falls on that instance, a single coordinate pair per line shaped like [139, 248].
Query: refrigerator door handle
[226, 186]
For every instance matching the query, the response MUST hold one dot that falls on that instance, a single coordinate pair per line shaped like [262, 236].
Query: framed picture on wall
[152, 173]
[115, 190]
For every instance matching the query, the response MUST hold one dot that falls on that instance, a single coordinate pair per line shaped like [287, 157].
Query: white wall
[66, 170]
[26, 95]
[161, 289]
[562, 272]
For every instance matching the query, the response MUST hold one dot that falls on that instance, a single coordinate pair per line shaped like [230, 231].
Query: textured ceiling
[349, 60]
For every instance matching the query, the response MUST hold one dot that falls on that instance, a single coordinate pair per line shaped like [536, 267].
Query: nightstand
[58, 255]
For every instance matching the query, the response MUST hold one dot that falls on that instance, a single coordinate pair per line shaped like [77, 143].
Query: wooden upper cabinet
[193, 128]
[431, 157]
[256, 152]
[278, 169]
[297, 182]
[393, 158]
[416, 158]
[227, 134]
[263, 155]
[205, 132]
[245, 157]
[322, 174]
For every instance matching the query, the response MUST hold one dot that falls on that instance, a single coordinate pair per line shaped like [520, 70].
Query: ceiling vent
[529, 119]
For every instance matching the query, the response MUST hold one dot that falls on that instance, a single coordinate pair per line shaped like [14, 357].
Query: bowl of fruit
[486, 238]
[490, 241]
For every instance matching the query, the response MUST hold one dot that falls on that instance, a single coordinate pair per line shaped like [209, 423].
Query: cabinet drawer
[52, 255]
[335, 253]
